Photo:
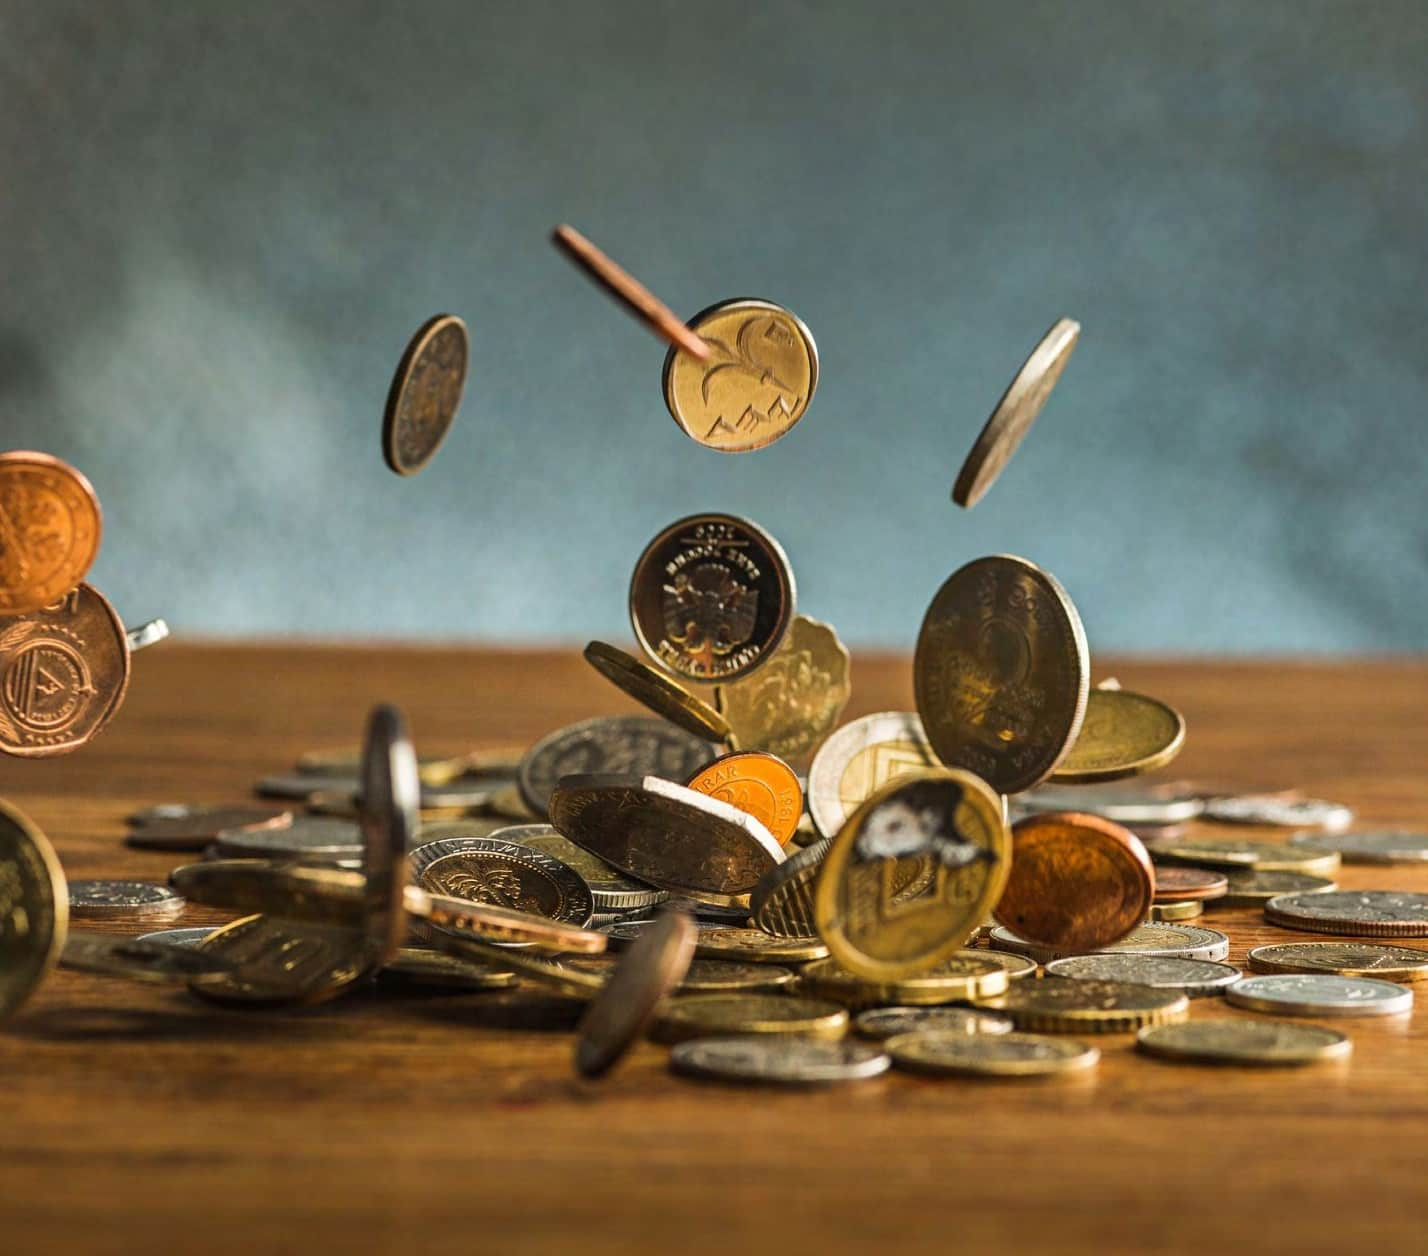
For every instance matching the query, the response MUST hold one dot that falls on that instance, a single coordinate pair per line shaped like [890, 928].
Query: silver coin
[859, 757]
[305, 837]
[146, 634]
[1254, 888]
[889, 1022]
[1292, 813]
[626, 745]
[1368, 848]
[1320, 994]
[1195, 978]
[1171, 940]
[1354, 913]
[177, 937]
[387, 816]
[1123, 803]
[611, 890]
[102, 898]
[785, 1060]
[1001, 1055]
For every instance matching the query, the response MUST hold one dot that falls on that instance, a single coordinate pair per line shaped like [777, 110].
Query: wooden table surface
[137, 1119]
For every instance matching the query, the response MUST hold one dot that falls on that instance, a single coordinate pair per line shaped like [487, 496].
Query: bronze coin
[425, 394]
[1174, 883]
[49, 530]
[1078, 882]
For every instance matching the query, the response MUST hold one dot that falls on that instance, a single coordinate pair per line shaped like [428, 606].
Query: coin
[421, 968]
[1348, 959]
[64, 670]
[100, 899]
[178, 937]
[199, 826]
[785, 1061]
[1065, 1005]
[1367, 848]
[1193, 977]
[425, 393]
[34, 909]
[1243, 1042]
[704, 976]
[665, 834]
[1354, 913]
[519, 879]
[345, 763]
[1125, 803]
[1320, 994]
[1279, 809]
[912, 874]
[137, 960]
[1077, 882]
[282, 962]
[1178, 909]
[626, 289]
[633, 745]
[1179, 883]
[761, 373]
[1183, 941]
[332, 896]
[645, 976]
[150, 632]
[609, 889]
[716, 941]
[794, 700]
[859, 759]
[782, 902]
[49, 530]
[994, 1055]
[1261, 856]
[387, 816]
[507, 802]
[546, 973]
[761, 784]
[1254, 889]
[714, 1015]
[1001, 672]
[310, 838]
[960, 976]
[491, 922]
[660, 694]
[1123, 734]
[1015, 413]
[890, 1022]
[1017, 966]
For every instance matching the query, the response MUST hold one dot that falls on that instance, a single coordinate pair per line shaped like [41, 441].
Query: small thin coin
[1172, 940]
[1180, 909]
[282, 962]
[716, 1015]
[1283, 810]
[859, 759]
[1367, 848]
[1195, 978]
[1014, 414]
[150, 632]
[995, 1055]
[418, 967]
[1320, 994]
[777, 1061]
[103, 899]
[1178, 883]
[610, 890]
[1347, 959]
[50, 527]
[1130, 803]
[34, 909]
[202, 825]
[1353, 913]
[1256, 1042]
[782, 902]
[1065, 1005]
[1254, 889]
[1124, 734]
[329, 896]
[657, 692]
[890, 1022]
[962, 976]
[309, 838]
[756, 782]
[387, 816]
[137, 960]
[491, 922]
[1204, 852]
[425, 394]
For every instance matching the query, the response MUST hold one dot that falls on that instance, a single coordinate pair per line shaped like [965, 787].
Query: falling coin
[425, 394]
[1123, 734]
[660, 694]
[859, 759]
[50, 528]
[1320, 994]
[782, 1061]
[387, 815]
[281, 962]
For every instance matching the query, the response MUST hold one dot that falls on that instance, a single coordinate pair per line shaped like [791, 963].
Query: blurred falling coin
[425, 394]
[758, 783]
[35, 921]
[136, 960]
[777, 1061]
[281, 962]
[1123, 734]
[994, 1055]
[50, 528]
[657, 692]
[150, 632]
[1252, 1042]
[328, 896]
[387, 816]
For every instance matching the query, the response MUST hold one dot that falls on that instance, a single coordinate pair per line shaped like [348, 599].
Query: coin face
[760, 375]
[49, 530]
[1015, 413]
[1251, 888]
[962, 975]
[97, 899]
[610, 890]
[711, 597]
[782, 902]
[1183, 941]
[1320, 994]
[1064, 1005]
[1193, 977]
[1243, 1042]
[659, 693]
[1001, 672]
[1278, 809]
[1123, 734]
[912, 874]
[714, 1015]
[282, 962]
[777, 1061]
[859, 759]
[1077, 882]
[1367, 848]
[794, 700]
[425, 393]
[1262, 856]
[761, 784]
[1177, 909]
[999, 1055]
[1355, 913]
[34, 909]
[520, 879]
[890, 1022]
[64, 670]
[625, 745]
[1179, 883]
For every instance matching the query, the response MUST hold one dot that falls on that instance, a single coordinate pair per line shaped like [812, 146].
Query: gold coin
[1180, 909]
[656, 692]
[491, 921]
[912, 874]
[715, 1015]
[136, 959]
[1015, 413]
[50, 528]
[758, 783]
[962, 976]
[1123, 734]
[703, 976]
[1069, 1005]
[282, 962]
[1346, 959]
[989, 1055]
[1243, 1042]
[328, 896]
[782, 902]
[34, 909]
[518, 879]
[1002, 672]
[795, 699]
[347, 761]
[543, 972]
[419, 967]
[760, 375]
[1207, 852]
[508, 803]
[1253, 888]
[859, 759]
[425, 393]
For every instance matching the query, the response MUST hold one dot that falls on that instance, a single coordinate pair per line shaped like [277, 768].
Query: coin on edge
[859, 759]
[784, 1061]
[425, 393]
[34, 909]
[1195, 978]
[1348, 959]
[657, 692]
[1123, 734]
[993, 1055]
[1243, 1042]
[758, 783]
[716, 1015]
[50, 527]
[782, 902]
[1065, 1005]
[1353, 913]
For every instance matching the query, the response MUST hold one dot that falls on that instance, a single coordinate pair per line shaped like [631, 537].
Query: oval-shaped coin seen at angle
[1195, 978]
[1353, 913]
[1253, 1042]
[997, 1055]
[777, 1061]
[1320, 994]
[425, 394]
[1124, 734]
[1367, 848]
[859, 759]
[1348, 959]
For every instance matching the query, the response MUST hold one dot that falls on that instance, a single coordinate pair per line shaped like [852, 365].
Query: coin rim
[402, 376]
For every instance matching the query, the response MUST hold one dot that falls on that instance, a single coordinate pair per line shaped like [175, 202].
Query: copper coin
[1174, 883]
[1078, 882]
[762, 785]
[49, 530]
[64, 670]
[425, 394]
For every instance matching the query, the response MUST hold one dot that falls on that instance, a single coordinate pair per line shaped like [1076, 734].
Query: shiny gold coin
[34, 909]
[50, 528]
[1015, 413]
[912, 874]
[425, 393]
[733, 943]
[656, 692]
[1069, 1005]
[760, 375]
[1207, 852]
[282, 962]
[1123, 734]
[1243, 1041]
[1180, 909]
[515, 879]
[1002, 672]
[1346, 959]
[962, 976]
[715, 1015]
[758, 783]
[989, 1055]
[782, 902]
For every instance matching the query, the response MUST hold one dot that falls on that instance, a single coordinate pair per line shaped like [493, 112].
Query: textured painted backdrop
[221, 222]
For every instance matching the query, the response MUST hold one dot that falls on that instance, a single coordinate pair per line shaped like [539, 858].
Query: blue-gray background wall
[219, 223]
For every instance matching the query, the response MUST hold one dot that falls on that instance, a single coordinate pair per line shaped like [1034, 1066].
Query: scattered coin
[34, 909]
[610, 890]
[782, 902]
[1065, 1005]
[1366, 848]
[201, 825]
[1179, 883]
[717, 941]
[422, 968]
[1017, 966]
[1207, 852]
[345, 763]
[1172, 940]
[657, 692]
[282, 962]
[549, 975]
[705, 976]
[1253, 889]
[785, 1061]
[756, 782]
[150, 632]
[1015, 413]
[1194, 978]
[519, 879]
[1320, 994]
[99, 900]
[508, 803]
[859, 759]
[489, 922]
[310, 838]
[1002, 672]
[49, 531]
[961, 976]
[425, 393]
[1243, 1042]
[1179, 909]
[136, 960]
[304, 785]
[995, 1055]
[328, 896]
[890, 1022]
[1126, 803]
[1123, 734]
[716, 1015]
[1347, 959]
[1279, 809]
[1353, 913]
[391, 793]
[178, 937]
[761, 373]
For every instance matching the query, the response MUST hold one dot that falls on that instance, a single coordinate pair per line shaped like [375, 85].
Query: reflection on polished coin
[997, 1055]
[610, 890]
[626, 745]
[1205, 852]
[425, 393]
[387, 816]
[282, 962]
[889, 1022]
[1353, 913]
[1367, 848]
[1123, 734]
[1065, 1005]
[1320, 994]
[101, 899]
[421, 968]
[137, 960]
[305, 837]
[961, 976]
[859, 759]
[1285, 811]
[782, 902]
[1182, 941]
[1002, 672]
[794, 700]
[1243, 1042]
[493, 923]
[1015, 413]
[1077, 882]
[760, 375]
[657, 692]
[50, 528]
[1128, 803]
[1192, 977]
[199, 826]
[1180, 909]
[34, 909]
[1254, 889]
[782, 1061]
[178, 937]
[150, 632]
[1174, 883]
[330, 896]
[759, 783]
[714, 1015]
[912, 874]
[1347, 959]
[663, 833]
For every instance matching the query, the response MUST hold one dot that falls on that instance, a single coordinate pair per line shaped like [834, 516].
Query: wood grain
[136, 1119]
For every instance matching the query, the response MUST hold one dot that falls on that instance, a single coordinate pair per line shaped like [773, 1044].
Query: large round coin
[425, 394]
[760, 375]
[49, 530]
[1243, 1042]
[995, 1055]
[912, 874]
[781, 1061]
[756, 782]
[1123, 734]
[1002, 672]
[711, 597]
[1347, 959]
[1367, 848]
[859, 759]
[34, 909]
[1353, 913]
[1192, 977]
[1320, 994]
[504, 874]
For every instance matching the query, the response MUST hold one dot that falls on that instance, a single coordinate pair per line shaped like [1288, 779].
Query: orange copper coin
[1078, 882]
[1175, 883]
[49, 530]
[760, 784]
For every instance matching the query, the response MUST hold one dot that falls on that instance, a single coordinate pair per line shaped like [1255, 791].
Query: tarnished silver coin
[425, 393]
[633, 745]
[1348, 959]
[306, 837]
[890, 1022]
[1243, 1042]
[1367, 848]
[1279, 810]
[1320, 994]
[1254, 887]
[137, 960]
[177, 937]
[151, 632]
[1130, 803]
[1354, 913]
[1195, 978]
[784, 1060]
[858, 759]
[503, 874]
[303, 785]
[1170, 940]
[782, 902]
[102, 899]
[610, 889]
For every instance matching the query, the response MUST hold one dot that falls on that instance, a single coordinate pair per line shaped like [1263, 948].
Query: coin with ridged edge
[1123, 734]
[995, 1055]
[889, 1022]
[859, 759]
[1173, 940]
[782, 902]
[1253, 888]
[1065, 1005]
[425, 394]
[1348, 959]
[781, 1061]
[1193, 977]
[610, 889]
[717, 1015]
[50, 528]
[961, 976]
[1252, 1042]
[101, 899]
[34, 908]
[1017, 966]
[657, 692]
[1353, 913]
